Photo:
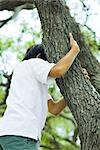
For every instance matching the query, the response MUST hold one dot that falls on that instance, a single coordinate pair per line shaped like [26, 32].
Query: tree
[82, 98]
[82, 101]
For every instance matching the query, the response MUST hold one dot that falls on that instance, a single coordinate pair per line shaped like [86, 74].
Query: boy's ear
[38, 55]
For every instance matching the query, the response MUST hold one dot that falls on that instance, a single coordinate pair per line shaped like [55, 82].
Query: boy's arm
[56, 107]
[64, 64]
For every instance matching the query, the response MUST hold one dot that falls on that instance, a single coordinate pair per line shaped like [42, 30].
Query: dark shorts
[11, 142]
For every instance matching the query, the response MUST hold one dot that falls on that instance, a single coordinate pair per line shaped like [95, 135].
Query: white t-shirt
[27, 101]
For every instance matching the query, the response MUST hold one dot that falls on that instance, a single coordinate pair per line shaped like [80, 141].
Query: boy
[28, 100]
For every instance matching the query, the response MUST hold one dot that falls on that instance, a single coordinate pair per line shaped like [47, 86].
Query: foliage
[54, 91]
[5, 44]
[92, 41]
[2, 92]
[2, 109]
[56, 134]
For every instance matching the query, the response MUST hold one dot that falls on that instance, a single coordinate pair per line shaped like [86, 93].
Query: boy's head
[34, 52]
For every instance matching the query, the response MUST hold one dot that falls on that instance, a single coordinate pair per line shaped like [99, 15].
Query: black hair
[33, 51]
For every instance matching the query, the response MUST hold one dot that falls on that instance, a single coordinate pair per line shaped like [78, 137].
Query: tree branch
[3, 84]
[12, 4]
[46, 147]
[3, 22]
[76, 132]
[7, 85]
[8, 77]
[94, 34]
[67, 118]
[66, 139]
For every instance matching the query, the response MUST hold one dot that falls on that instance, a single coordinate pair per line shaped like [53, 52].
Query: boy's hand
[85, 73]
[73, 43]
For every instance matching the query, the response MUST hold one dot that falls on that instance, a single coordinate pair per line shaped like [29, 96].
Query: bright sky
[94, 10]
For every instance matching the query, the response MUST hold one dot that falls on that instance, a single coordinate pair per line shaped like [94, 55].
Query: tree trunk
[83, 101]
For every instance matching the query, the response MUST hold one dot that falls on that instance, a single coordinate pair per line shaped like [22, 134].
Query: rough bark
[83, 101]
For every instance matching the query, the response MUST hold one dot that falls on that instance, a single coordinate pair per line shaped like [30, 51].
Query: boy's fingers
[84, 71]
[71, 36]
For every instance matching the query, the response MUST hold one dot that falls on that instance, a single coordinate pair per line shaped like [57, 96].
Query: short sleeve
[41, 69]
